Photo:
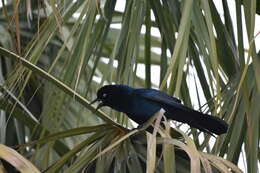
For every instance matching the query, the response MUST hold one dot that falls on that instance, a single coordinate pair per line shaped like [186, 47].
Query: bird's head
[111, 95]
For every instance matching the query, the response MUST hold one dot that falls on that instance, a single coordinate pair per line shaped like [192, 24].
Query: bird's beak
[99, 105]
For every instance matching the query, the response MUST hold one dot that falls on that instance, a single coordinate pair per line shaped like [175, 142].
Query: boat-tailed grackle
[141, 104]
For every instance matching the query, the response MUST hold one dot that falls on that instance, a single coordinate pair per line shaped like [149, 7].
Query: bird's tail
[209, 123]
[206, 123]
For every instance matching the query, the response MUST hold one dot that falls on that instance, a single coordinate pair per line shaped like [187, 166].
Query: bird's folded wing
[160, 97]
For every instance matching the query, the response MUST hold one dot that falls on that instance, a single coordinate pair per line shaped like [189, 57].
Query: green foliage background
[50, 58]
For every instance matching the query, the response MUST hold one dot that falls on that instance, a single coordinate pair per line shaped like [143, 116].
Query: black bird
[141, 104]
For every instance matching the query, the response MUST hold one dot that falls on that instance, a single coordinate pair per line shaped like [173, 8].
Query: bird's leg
[157, 123]
[158, 115]
[148, 123]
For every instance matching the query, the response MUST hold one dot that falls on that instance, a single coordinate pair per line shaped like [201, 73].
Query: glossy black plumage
[141, 104]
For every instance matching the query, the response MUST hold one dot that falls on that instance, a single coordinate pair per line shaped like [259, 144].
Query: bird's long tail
[207, 123]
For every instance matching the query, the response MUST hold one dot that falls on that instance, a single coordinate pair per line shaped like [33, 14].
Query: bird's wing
[173, 107]
[159, 97]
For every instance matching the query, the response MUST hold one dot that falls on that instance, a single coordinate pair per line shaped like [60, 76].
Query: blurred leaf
[55, 55]
[16, 160]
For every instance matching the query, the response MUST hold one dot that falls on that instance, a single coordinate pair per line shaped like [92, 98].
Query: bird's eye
[104, 95]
